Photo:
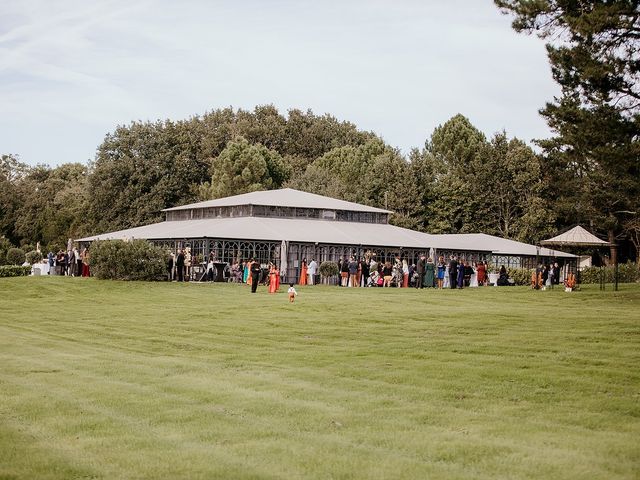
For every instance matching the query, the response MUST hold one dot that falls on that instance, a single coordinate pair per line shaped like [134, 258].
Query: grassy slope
[122, 380]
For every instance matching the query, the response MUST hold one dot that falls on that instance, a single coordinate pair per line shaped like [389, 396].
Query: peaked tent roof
[576, 237]
[311, 231]
[285, 197]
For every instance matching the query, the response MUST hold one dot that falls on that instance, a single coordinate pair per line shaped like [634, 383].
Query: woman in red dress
[303, 272]
[482, 273]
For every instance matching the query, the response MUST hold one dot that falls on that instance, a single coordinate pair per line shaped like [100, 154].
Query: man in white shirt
[311, 271]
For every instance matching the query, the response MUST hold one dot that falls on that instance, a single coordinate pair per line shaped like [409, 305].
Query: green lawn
[148, 380]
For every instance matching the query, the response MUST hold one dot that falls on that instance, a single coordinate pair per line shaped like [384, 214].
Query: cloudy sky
[70, 71]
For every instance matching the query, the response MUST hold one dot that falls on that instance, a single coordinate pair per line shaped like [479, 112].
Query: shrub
[15, 256]
[120, 260]
[5, 245]
[33, 257]
[328, 269]
[14, 271]
[627, 273]
[520, 276]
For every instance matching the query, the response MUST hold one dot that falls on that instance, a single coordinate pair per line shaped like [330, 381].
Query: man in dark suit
[420, 271]
[180, 265]
[255, 275]
[453, 272]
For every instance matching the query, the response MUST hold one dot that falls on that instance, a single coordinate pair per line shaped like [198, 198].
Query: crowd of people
[72, 263]
[545, 276]
[368, 272]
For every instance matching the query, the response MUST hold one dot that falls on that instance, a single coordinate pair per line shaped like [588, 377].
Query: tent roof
[576, 237]
[285, 197]
[327, 232]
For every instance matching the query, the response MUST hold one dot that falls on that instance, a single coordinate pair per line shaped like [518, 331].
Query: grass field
[141, 380]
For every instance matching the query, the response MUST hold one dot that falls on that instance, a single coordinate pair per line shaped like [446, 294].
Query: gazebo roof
[285, 197]
[576, 237]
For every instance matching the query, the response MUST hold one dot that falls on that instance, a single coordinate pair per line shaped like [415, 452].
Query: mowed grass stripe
[314, 392]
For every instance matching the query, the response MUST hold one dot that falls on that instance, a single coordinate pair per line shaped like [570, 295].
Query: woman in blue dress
[441, 271]
[461, 274]
[245, 272]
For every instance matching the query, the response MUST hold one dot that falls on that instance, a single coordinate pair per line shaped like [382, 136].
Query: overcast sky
[70, 71]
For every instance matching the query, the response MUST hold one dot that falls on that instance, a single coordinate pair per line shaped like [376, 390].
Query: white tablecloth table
[493, 278]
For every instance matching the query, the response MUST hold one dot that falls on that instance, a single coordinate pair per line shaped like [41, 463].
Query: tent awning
[576, 237]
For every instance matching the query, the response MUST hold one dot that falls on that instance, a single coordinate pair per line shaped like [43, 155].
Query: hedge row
[14, 271]
[627, 273]
[132, 260]
[520, 276]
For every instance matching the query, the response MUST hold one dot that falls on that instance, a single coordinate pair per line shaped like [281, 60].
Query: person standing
[545, 277]
[303, 272]
[245, 271]
[461, 267]
[51, 258]
[420, 271]
[482, 273]
[312, 269]
[353, 272]
[78, 263]
[429, 273]
[65, 263]
[344, 272]
[85, 263]
[453, 272]
[387, 274]
[254, 268]
[170, 263]
[60, 263]
[72, 262]
[364, 272]
[274, 276]
[405, 273]
[441, 271]
[187, 262]
[180, 265]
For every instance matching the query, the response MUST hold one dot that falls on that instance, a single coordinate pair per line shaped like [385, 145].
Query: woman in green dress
[429, 273]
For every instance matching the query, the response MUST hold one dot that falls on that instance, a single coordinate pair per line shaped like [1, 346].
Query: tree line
[458, 182]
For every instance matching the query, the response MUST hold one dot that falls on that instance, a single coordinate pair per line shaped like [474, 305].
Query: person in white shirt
[312, 268]
[292, 293]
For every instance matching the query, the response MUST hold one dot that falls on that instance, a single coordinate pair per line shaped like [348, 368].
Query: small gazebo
[579, 237]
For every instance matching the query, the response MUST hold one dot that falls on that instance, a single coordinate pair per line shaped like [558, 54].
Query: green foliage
[5, 245]
[14, 271]
[627, 273]
[242, 167]
[127, 260]
[143, 168]
[594, 158]
[329, 269]
[33, 256]
[467, 184]
[373, 174]
[15, 256]
[52, 204]
[520, 276]
[11, 172]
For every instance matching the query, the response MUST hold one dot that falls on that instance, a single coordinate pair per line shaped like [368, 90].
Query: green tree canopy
[594, 157]
[242, 167]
